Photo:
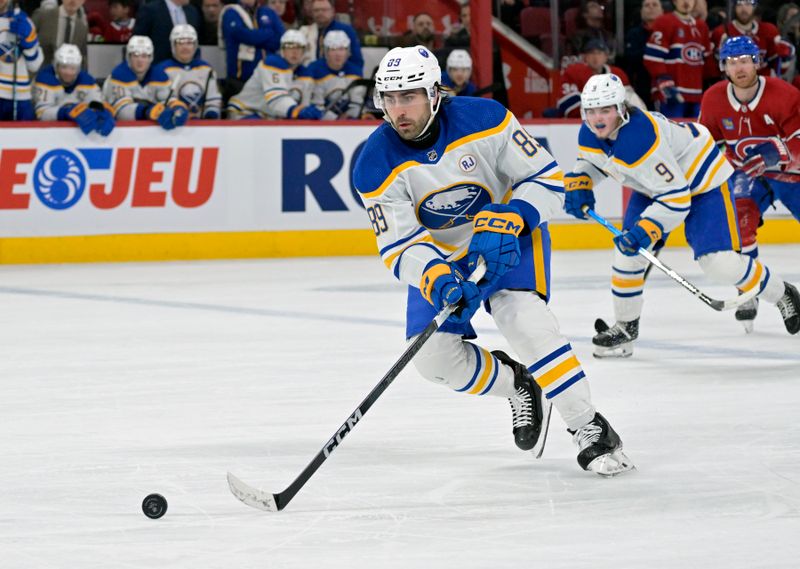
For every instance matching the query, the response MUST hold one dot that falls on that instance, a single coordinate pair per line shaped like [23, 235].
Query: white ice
[118, 380]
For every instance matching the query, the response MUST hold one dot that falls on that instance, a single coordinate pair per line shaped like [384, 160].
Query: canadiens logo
[745, 145]
[727, 124]
[692, 53]
[467, 163]
[452, 206]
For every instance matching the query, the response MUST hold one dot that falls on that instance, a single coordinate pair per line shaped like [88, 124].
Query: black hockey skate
[615, 341]
[789, 305]
[530, 413]
[600, 448]
[746, 313]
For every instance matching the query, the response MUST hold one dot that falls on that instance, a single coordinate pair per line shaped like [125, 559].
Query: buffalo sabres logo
[191, 93]
[452, 206]
[59, 179]
[423, 52]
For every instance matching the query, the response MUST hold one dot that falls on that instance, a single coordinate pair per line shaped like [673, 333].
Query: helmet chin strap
[434, 109]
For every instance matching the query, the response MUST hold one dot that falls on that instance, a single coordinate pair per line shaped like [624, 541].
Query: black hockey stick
[718, 305]
[276, 502]
[14, 72]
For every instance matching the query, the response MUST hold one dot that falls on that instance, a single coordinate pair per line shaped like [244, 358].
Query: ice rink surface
[119, 380]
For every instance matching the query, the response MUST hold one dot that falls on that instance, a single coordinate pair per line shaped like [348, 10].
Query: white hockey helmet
[293, 38]
[139, 45]
[336, 39]
[459, 59]
[604, 90]
[68, 54]
[183, 33]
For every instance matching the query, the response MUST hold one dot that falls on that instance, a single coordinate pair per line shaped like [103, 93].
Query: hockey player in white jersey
[678, 176]
[193, 79]
[20, 59]
[333, 75]
[448, 180]
[65, 92]
[138, 91]
[280, 87]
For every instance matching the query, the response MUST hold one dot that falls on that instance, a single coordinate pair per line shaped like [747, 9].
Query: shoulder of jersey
[351, 68]
[473, 115]
[47, 76]
[123, 73]
[85, 79]
[377, 160]
[780, 87]
[276, 62]
[636, 139]
[318, 68]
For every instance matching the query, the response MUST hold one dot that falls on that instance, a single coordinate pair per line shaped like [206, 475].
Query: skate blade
[611, 464]
[748, 326]
[621, 351]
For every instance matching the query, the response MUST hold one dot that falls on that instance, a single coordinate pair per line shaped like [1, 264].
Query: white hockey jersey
[129, 97]
[28, 64]
[50, 95]
[195, 84]
[273, 90]
[422, 202]
[665, 160]
[331, 86]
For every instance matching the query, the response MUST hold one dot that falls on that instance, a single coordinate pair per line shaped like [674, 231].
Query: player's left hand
[442, 284]
[180, 114]
[21, 26]
[643, 234]
[578, 193]
[765, 155]
[495, 238]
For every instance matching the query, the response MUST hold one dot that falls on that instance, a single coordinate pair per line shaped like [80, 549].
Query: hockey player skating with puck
[448, 180]
[757, 119]
[678, 176]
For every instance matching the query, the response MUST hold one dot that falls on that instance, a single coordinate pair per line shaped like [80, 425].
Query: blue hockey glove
[309, 113]
[105, 122]
[21, 26]
[84, 116]
[578, 193]
[669, 92]
[166, 118]
[495, 238]
[442, 284]
[211, 114]
[643, 234]
[180, 114]
[765, 155]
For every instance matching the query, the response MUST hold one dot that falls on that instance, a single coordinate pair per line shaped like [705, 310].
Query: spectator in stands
[62, 24]
[777, 53]
[635, 43]
[460, 35]
[120, 29]
[136, 90]
[717, 14]
[249, 33]
[785, 15]
[456, 79]
[192, 79]
[279, 7]
[209, 32]
[64, 92]
[15, 88]
[323, 13]
[280, 87]
[509, 13]
[591, 25]
[574, 77]
[421, 33]
[337, 89]
[156, 19]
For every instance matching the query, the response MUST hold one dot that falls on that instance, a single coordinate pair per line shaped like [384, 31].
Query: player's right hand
[666, 86]
[84, 116]
[21, 26]
[766, 155]
[578, 193]
[442, 283]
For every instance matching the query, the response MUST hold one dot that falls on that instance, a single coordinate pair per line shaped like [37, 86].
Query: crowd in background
[289, 59]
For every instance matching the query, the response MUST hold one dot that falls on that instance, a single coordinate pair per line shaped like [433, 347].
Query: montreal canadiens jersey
[667, 161]
[573, 80]
[422, 202]
[773, 113]
[272, 91]
[330, 86]
[681, 49]
[49, 95]
[195, 84]
[28, 63]
[124, 92]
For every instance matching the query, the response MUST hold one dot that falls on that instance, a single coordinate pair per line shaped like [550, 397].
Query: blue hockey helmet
[737, 47]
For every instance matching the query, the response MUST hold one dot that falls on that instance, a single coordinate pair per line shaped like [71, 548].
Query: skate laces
[587, 435]
[787, 307]
[521, 408]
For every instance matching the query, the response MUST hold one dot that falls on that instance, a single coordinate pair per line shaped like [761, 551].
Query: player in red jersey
[574, 77]
[678, 56]
[777, 53]
[758, 120]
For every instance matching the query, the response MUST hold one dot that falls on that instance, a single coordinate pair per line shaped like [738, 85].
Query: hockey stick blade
[269, 502]
[718, 305]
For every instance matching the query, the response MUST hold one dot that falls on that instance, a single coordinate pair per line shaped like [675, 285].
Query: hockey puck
[154, 506]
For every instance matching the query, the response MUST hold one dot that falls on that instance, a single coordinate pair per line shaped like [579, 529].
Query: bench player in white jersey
[333, 76]
[447, 173]
[20, 59]
[280, 87]
[138, 91]
[193, 79]
[678, 176]
[65, 92]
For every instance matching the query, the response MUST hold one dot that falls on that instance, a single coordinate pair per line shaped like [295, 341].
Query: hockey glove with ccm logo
[443, 284]
[495, 238]
[578, 193]
[643, 234]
